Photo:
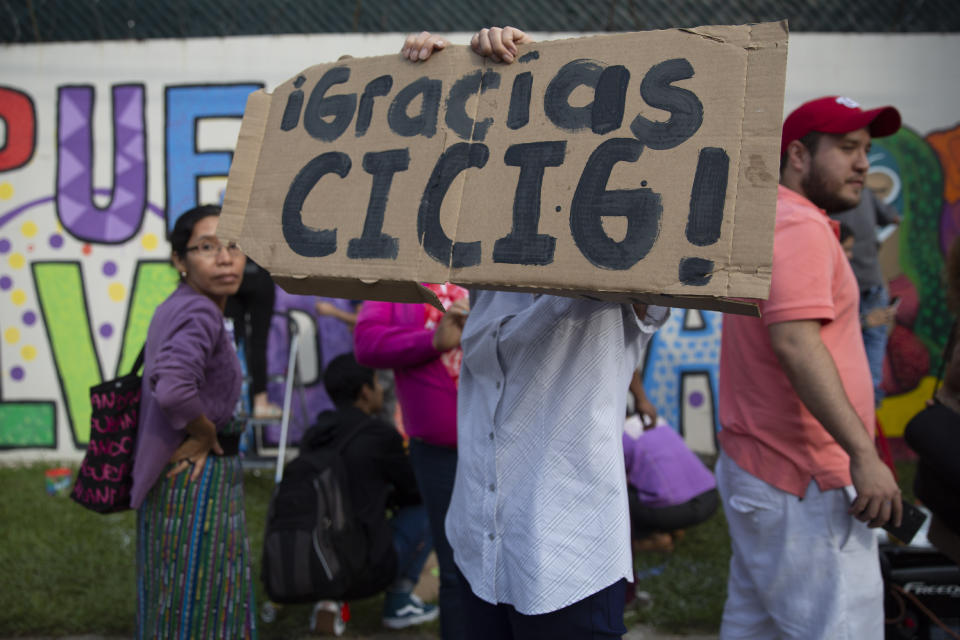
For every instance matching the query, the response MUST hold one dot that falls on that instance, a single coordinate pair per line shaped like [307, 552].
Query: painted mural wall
[103, 145]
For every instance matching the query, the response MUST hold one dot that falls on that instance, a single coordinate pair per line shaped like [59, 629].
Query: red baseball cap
[836, 114]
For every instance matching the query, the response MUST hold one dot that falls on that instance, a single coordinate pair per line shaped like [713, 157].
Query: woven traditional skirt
[193, 573]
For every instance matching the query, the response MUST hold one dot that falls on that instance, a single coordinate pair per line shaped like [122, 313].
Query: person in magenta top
[422, 346]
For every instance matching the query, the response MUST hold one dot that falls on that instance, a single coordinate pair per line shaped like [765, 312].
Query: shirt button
[492, 487]
[498, 384]
[491, 435]
[491, 536]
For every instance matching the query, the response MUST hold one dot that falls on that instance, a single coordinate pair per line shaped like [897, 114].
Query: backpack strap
[353, 434]
[338, 448]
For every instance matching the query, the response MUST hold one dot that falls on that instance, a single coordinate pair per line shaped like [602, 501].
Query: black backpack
[313, 548]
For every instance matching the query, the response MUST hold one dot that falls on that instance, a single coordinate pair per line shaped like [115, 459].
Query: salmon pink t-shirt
[766, 429]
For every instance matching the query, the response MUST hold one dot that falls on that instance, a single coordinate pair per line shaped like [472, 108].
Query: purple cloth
[663, 470]
[333, 339]
[391, 335]
[190, 369]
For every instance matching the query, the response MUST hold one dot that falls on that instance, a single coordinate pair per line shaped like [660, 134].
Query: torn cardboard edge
[414, 292]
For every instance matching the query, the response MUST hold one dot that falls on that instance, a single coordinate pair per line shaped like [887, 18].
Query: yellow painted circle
[6, 190]
[28, 229]
[149, 241]
[117, 292]
[17, 260]
[18, 297]
[29, 352]
[12, 335]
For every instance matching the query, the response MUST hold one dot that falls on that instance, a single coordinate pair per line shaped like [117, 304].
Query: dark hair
[811, 141]
[845, 232]
[344, 379]
[183, 227]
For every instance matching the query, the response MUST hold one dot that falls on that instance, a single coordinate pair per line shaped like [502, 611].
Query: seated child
[380, 478]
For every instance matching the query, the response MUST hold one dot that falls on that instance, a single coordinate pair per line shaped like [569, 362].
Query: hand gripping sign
[634, 167]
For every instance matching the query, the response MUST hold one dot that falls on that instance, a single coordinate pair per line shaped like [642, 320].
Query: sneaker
[405, 609]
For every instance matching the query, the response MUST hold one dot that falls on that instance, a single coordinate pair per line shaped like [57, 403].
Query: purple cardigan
[391, 335]
[190, 369]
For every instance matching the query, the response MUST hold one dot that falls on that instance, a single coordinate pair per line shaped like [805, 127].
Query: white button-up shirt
[538, 517]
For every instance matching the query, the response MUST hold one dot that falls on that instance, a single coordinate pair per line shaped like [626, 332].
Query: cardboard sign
[628, 167]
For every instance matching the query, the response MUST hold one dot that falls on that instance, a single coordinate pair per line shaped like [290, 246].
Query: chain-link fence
[71, 20]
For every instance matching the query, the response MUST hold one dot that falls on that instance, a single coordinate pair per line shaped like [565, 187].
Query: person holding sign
[797, 410]
[538, 520]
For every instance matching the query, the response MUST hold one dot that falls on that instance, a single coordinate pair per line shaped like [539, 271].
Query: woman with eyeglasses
[193, 574]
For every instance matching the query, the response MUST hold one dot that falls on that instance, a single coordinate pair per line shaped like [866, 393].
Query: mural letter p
[20, 119]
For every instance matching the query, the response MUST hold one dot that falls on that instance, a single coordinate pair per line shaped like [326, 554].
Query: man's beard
[817, 189]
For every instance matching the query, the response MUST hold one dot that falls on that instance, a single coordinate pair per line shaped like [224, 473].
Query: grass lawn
[68, 571]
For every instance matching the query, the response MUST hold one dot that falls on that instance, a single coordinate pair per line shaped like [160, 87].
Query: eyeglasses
[209, 249]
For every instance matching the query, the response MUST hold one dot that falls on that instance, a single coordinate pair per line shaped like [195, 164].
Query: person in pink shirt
[796, 407]
[422, 346]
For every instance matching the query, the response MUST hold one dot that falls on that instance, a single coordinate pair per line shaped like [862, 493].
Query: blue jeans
[435, 468]
[875, 338]
[411, 539]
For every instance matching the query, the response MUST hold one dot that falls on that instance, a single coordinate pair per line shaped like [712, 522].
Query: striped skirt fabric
[193, 573]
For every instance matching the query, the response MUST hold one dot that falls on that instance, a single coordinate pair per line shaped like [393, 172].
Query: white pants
[802, 569]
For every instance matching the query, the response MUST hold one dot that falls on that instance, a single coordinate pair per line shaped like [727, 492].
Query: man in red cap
[798, 471]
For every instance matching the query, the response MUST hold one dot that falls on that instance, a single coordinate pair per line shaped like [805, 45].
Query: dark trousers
[596, 617]
[645, 520]
[435, 469]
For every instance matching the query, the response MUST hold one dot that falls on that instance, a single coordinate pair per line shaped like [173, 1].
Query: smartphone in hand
[911, 520]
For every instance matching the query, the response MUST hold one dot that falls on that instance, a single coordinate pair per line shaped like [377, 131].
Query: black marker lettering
[609, 100]
[695, 272]
[291, 113]
[320, 106]
[708, 196]
[686, 110]
[461, 91]
[425, 123]
[435, 242]
[592, 201]
[302, 239]
[705, 219]
[556, 99]
[374, 243]
[519, 114]
[377, 87]
[523, 245]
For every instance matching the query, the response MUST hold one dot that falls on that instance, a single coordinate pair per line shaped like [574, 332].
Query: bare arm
[648, 413]
[448, 332]
[814, 376]
[330, 310]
